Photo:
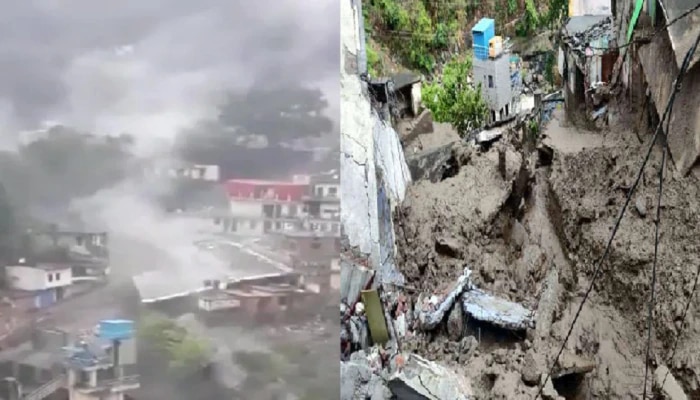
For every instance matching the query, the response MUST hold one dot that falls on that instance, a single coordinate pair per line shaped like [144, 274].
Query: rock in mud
[640, 204]
[455, 323]
[530, 373]
[573, 364]
[518, 235]
[448, 246]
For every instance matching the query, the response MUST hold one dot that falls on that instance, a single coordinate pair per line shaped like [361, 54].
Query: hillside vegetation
[422, 35]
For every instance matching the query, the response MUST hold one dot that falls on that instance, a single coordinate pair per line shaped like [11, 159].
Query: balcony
[122, 384]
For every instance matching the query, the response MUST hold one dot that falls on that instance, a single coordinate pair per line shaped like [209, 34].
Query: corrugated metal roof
[164, 284]
[684, 31]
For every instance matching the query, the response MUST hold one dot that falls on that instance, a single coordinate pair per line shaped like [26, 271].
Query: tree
[454, 100]
[64, 165]
[248, 137]
[181, 351]
[280, 115]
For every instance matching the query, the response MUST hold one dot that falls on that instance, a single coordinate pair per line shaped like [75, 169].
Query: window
[490, 81]
[316, 245]
[58, 276]
[319, 191]
[332, 191]
[50, 277]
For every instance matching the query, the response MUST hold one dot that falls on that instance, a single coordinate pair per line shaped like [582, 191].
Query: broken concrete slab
[431, 310]
[421, 379]
[496, 311]
[431, 164]
[670, 388]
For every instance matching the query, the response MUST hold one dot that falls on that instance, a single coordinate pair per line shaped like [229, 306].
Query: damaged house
[652, 64]
[586, 60]
[262, 298]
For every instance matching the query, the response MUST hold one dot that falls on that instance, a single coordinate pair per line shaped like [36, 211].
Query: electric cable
[680, 331]
[656, 31]
[652, 299]
[596, 270]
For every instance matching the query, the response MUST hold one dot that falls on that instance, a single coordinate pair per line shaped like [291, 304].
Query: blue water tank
[482, 32]
[116, 329]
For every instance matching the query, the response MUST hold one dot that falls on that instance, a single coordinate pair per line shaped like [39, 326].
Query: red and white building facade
[258, 207]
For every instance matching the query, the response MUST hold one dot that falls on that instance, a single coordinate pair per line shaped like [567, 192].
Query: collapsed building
[585, 62]
[650, 64]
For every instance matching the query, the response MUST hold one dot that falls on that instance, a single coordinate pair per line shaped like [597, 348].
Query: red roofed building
[260, 206]
[259, 190]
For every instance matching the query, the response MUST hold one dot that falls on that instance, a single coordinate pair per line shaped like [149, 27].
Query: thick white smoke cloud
[150, 70]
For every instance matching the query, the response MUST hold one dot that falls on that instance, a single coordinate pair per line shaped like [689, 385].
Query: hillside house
[492, 71]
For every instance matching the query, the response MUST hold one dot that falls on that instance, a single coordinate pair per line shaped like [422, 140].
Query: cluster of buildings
[55, 364]
[275, 248]
[312, 277]
[52, 265]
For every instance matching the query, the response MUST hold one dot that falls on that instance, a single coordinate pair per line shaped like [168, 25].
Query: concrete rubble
[432, 309]
[369, 367]
[431, 164]
[420, 379]
[497, 311]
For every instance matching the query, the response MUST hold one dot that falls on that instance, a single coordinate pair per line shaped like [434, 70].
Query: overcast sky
[150, 66]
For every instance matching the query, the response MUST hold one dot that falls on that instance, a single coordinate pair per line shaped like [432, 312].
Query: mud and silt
[541, 251]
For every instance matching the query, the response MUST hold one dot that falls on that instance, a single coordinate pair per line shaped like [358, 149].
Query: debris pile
[372, 333]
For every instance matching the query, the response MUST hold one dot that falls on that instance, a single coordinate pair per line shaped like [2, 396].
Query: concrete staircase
[46, 389]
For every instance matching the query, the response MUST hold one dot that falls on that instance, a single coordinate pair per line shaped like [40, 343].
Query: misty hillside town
[169, 208]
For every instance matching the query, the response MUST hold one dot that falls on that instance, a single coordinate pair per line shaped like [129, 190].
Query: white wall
[368, 145]
[245, 208]
[31, 278]
[218, 304]
[58, 277]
